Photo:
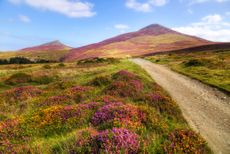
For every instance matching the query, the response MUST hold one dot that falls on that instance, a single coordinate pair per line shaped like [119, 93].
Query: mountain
[51, 46]
[151, 39]
[49, 51]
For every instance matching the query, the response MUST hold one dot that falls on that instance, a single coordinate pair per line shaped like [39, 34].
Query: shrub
[57, 100]
[109, 99]
[131, 88]
[43, 79]
[47, 67]
[97, 60]
[117, 140]
[184, 141]
[3, 61]
[79, 143]
[78, 93]
[62, 84]
[193, 62]
[124, 75]
[21, 93]
[118, 115]
[11, 136]
[100, 81]
[58, 119]
[18, 78]
[163, 104]
[20, 60]
[61, 65]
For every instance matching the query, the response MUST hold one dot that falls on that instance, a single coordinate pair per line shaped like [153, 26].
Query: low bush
[163, 104]
[18, 78]
[57, 100]
[184, 141]
[20, 60]
[117, 140]
[97, 60]
[100, 81]
[118, 115]
[47, 66]
[61, 84]
[124, 75]
[43, 79]
[58, 119]
[78, 93]
[61, 65]
[79, 143]
[193, 62]
[21, 93]
[132, 88]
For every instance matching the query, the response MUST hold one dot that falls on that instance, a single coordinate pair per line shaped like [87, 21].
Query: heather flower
[57, 119]
[118, 114]
[108, 99]
[124, 75]
[132, 88]
[77, 89]
[100, 81]
[117, 140]
[184, 141]
[18, 78]
[78, 93]
[21, 93]
[56, 100]
[10, 132]
[155, 97]
[164, 104]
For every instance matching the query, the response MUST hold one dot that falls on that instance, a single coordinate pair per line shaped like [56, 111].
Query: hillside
[151, 39]
[208, 66]
[94, 107]
[51, 46]
[50, 51]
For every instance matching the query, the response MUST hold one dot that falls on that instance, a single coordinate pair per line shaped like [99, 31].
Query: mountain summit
[156, 29]
[54, 45]
[151, 39]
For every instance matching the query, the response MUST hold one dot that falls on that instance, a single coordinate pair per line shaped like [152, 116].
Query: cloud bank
[211, 27]
[70, 8]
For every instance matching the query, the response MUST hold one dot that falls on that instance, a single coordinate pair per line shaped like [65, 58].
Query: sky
[25, 23]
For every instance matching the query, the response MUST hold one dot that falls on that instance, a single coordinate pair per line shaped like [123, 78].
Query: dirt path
[207, 110]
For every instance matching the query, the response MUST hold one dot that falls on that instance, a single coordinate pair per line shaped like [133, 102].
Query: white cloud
[216, 18]
[211, 27]
[146, 6]
[121, 27]
[70, 8]
[24, 18]
[15, 1]
[203, 1]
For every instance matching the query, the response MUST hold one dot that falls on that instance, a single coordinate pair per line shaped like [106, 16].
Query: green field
[98, 107]
[211, 67]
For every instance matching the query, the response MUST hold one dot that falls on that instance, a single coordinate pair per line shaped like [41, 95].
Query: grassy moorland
[46, 55]
[210, 67]
[105, 106]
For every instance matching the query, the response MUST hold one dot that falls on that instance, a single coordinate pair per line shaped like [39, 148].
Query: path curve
[206, 109]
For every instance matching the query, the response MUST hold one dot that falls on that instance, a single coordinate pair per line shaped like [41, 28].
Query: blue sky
[26, 23]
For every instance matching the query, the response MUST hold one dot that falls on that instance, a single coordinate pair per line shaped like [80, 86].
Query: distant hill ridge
[151, 39]
[54, 45]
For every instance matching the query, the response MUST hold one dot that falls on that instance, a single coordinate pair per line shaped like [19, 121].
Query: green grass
[211, 68]
[45, 55]
[58, 116]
